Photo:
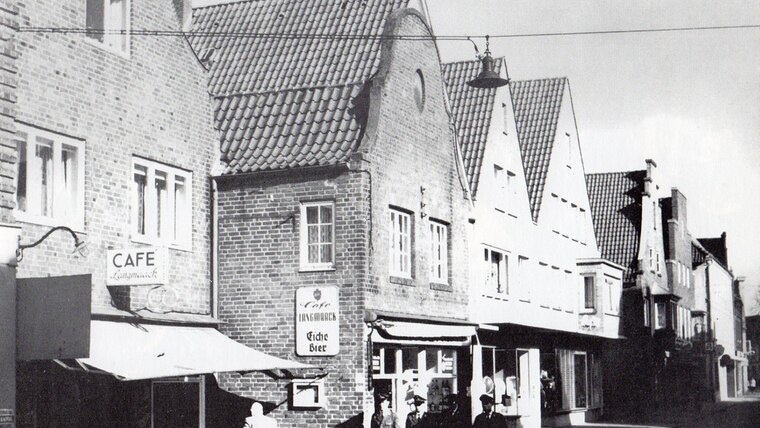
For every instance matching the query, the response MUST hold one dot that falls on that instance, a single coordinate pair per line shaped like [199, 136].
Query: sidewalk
[736, 412]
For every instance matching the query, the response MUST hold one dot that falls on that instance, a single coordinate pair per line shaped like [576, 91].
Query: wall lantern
[80, 246]
[487, 78]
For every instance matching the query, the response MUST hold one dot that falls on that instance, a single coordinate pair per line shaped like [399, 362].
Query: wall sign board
[136, 266]
[317, 321]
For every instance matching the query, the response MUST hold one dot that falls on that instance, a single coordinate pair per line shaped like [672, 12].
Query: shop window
[496, 266]
[50, 178]
[317, 236]
[581, 380]
[111, 23]
[400, 245]
[161, 204]
[439, 252]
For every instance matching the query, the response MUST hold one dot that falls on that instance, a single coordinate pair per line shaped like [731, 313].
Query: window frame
[657, 324]
[613, 296]
[76, 220]
[442, 261]
[584, 308]
[501, 288]
[305, 265]
[393, 252]
[107, 26]
[151, 236]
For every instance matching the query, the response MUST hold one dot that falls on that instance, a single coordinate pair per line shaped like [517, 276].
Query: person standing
[257, 418]
[417, 418]
[384, 417]
[489, 418]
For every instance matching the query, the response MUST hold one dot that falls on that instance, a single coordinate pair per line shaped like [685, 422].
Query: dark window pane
[580, 380]
[95, 14]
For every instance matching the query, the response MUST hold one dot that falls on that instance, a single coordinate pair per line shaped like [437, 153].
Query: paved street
[738, 413]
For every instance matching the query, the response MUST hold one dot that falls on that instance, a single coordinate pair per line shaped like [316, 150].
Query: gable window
[317, 235]
[496, 271]
[589, 294]
[400, 245]
[439, 255]
[110, 21]
[50, 179]
[660, 316]
[161, 204]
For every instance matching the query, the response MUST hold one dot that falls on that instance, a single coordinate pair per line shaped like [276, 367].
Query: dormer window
[109, 20]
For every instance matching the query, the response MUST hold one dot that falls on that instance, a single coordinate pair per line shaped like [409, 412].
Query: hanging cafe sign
[136, 266]
[317, 321]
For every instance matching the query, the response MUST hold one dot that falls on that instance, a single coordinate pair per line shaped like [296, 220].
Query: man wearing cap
[416, 418]
[489, 418]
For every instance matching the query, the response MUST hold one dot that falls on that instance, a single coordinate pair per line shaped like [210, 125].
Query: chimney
[184, 11]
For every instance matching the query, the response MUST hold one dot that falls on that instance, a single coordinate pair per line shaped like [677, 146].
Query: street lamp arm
[79, 245]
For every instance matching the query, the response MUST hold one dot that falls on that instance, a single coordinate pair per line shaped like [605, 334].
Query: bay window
[161, 204]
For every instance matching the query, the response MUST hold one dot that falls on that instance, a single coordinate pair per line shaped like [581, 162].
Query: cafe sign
[136, 266]
[317, 322]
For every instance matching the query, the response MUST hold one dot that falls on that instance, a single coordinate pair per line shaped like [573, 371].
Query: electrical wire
[350, 36]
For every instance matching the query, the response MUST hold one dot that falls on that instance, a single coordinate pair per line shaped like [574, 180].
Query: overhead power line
[350, 36]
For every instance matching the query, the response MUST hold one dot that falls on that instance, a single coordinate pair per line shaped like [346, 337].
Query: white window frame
[111, 42]
[400, 256]
[58, 193]
[304, 232]
[439, 252]
[657, 324]
[183, 239]
[584, 309]
[499, 283]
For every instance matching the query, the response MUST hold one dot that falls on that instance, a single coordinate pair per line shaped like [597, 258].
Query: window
[109, 18]
[496, 271]
[581, 380]
[660, 315]
[613, 296]
[439, 255]
[50, 179]
[588, 294]
[161, 204]
[500, 180]
[658, 261]
[317, 235]
[646, 312]
[400, 246]
[651, 258]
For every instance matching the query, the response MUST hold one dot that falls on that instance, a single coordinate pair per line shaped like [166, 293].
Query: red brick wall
[8, 84]
[259, 222]
[153, 104]
[414, 148]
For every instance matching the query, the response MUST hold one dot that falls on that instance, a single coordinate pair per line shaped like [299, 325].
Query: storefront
[139, 373]
[431, 360]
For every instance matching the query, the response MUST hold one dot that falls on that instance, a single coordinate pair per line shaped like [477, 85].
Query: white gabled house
[537, 271]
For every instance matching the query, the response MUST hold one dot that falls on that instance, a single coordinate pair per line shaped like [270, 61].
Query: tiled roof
[716, 247]
[290, 101]
[615, 199]
[472, 109]
[537, 105]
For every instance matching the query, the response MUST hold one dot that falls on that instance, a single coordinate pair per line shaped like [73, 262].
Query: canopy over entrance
[133, 351]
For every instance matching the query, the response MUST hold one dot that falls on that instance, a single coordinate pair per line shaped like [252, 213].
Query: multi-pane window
[50, 179]
[589, 295]
[161, 204]
[439, 255]
[317, 235]
[109, 22]
[401, 244]
[496, 271]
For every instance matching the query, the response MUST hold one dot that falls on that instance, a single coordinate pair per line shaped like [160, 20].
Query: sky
[688, 100]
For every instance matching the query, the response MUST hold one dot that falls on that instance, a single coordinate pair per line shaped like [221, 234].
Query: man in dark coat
[489, 418]
[415, 418]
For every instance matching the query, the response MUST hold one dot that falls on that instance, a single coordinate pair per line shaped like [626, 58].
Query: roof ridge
[615, 172]
[470, 60]
[297, 88]
[542, 79]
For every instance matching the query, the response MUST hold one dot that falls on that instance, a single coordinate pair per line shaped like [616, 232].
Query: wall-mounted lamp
[80, 246]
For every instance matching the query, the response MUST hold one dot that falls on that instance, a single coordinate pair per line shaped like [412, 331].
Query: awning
[148, 351]
[423, 333]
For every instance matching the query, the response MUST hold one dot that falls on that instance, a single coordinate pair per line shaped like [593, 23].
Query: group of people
[452, 417]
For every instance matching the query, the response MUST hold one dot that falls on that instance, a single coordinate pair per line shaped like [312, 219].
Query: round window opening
[419, 90]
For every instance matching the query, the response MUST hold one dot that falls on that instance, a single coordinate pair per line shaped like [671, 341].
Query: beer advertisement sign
[317, 321]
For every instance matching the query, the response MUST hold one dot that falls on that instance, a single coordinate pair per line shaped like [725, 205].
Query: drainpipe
[214, 250]
[709, 332]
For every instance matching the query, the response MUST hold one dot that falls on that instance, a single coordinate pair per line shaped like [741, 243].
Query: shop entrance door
[178, 403]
